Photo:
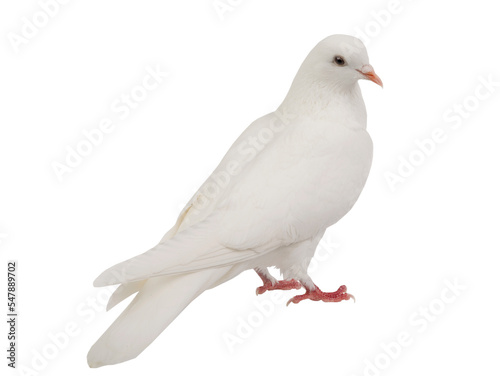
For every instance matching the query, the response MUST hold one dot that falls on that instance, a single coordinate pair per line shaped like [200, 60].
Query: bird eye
[339, 60]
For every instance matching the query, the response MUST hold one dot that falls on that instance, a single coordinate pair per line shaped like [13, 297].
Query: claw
[351, 297]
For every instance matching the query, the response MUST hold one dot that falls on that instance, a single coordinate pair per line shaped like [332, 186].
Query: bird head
[340, 60]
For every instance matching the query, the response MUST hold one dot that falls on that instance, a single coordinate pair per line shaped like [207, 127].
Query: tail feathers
[158, 303]
[123, 292]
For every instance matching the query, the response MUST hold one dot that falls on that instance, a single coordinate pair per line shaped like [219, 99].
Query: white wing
[283, 195]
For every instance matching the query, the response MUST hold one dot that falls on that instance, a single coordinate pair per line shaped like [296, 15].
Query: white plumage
[271, 209]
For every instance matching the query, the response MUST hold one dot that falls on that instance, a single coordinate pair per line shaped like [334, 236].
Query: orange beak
[369, 73]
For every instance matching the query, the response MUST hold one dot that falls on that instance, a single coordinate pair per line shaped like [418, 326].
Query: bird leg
[316, 294]
[270, 283]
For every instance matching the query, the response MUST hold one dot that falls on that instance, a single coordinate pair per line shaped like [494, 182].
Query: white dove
[285, 180]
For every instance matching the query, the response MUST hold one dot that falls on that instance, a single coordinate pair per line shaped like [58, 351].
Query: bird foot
[317, 294]
[287, 284]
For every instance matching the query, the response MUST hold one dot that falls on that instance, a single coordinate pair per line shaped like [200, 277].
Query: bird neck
[320, 101]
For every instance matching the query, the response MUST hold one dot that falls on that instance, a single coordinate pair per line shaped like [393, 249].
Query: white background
[396, 251]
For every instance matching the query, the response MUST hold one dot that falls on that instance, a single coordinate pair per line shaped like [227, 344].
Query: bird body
[288, 177]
